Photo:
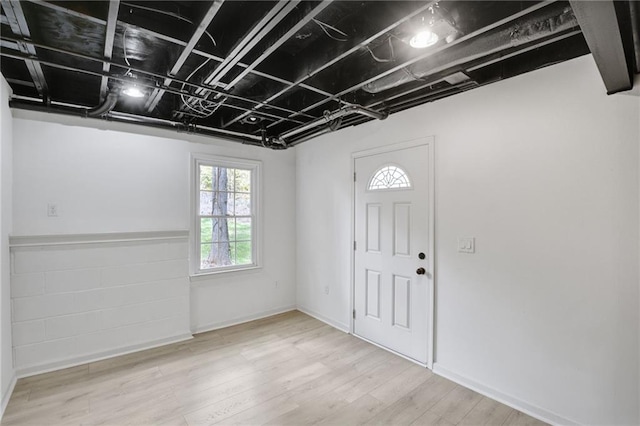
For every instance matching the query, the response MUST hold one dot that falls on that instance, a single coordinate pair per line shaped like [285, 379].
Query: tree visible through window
[225, 219]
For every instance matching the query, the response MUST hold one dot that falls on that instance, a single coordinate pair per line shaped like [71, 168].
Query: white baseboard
[335, 324]
[241, 320]
[525, 407]
[85, 359]
[7, 395]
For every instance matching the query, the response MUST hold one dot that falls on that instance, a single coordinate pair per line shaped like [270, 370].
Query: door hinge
[354, 314]
[354, 176]
[354, 246]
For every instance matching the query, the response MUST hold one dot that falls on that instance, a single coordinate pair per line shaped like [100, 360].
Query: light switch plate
[466, 245]
[52, 210]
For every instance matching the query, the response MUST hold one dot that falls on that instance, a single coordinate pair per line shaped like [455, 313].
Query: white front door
[393, 255]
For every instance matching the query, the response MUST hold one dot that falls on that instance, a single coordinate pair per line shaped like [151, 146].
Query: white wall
[7, 375]
[542, 170]
[130, 179]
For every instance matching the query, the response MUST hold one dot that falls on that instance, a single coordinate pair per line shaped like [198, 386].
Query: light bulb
[133, 91]
[424, 38]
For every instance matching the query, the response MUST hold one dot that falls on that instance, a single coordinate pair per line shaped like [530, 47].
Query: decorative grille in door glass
[389, 177]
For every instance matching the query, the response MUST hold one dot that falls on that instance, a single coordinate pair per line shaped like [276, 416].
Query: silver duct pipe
[552, 20]
[329, 116]
[108, 105]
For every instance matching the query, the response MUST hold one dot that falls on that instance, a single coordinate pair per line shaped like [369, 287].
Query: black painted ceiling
[274, 73]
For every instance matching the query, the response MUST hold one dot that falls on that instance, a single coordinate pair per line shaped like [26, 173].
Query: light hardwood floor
[289, 369]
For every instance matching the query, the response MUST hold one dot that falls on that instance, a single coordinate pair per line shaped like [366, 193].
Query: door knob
[421, 271]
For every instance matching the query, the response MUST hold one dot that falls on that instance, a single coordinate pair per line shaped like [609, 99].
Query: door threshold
[415, 361]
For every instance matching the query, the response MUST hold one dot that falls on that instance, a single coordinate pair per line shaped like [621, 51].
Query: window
[389, 177]
[225, 206]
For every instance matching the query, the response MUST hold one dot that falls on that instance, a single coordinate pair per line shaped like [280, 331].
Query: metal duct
[548, 22]
[329, 116]
[108, 105]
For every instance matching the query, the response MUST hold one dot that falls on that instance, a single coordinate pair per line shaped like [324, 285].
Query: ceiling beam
[157, 94]
[284, 38]
[195, 86]
[110, 32]
[19, 27]
[245, 45]
[335, 59]
[268, 23]
[125, 79]
[603, 34]
[175, 41]
[427, 54]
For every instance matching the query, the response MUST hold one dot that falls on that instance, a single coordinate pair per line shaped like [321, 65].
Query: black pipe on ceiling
[108, 105]
[137, 119]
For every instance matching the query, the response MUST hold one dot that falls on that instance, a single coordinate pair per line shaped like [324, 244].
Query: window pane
[220, 230]
[217, 255]
[243, 253]
[230, 205]
[205, 177]
[243, 229]
[231, 225]
[205, 230]
[243, 204]
[205, 251]
[220, 203]
[230, 174]
[243, 180]
[232, 253]
[206, 202]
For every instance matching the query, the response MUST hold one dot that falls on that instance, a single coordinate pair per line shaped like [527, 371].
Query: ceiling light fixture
[133, 91]
[251, 119]
[422, 39]
[425, 36]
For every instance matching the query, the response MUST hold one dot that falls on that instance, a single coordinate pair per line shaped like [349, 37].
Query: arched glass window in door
[389, 177]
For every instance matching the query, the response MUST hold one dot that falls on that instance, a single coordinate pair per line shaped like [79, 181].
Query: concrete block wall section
[75, 302]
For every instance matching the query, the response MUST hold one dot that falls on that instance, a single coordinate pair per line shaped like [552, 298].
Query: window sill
[204, 276]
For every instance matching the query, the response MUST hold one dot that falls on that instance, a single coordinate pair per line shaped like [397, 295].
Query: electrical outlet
[52, 210]
[326, 289]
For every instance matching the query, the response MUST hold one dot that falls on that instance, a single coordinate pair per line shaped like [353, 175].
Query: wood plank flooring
[289, 369]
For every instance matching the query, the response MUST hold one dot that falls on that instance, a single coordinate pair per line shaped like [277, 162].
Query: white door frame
[429, 141]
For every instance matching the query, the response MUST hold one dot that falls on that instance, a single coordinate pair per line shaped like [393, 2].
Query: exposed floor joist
[188, 50]
[18, 24]
[114, 7]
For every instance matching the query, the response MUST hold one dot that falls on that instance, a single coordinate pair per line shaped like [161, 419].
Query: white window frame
[256, 223]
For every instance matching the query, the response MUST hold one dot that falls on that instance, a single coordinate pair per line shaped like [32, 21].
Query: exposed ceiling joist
[188, 50]
[275, 66]
[18, 24]
[241, 49]
[110, 32]
[398, 67]
[602, 32]
[266, 25]
[317, 68]
[164, 37]
[293, 30]
[125, 79]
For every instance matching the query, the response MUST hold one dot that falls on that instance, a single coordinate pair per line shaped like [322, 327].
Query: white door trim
[429, 141]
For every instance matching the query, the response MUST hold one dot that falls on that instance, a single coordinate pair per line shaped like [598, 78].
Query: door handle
[421, 271]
